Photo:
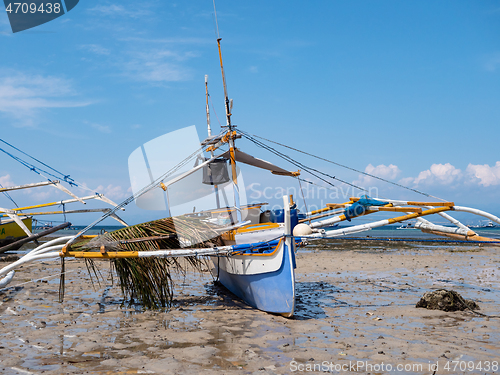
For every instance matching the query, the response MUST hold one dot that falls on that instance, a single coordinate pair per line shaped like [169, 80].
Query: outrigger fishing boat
[17, 224]
[252, 251]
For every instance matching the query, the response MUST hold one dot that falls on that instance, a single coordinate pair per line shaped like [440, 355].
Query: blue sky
[407, 90]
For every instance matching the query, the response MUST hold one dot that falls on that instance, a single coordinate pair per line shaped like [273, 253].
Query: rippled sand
[355, 302]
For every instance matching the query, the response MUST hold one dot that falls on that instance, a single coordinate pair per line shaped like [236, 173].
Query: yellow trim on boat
[100, 255]
[256, 227]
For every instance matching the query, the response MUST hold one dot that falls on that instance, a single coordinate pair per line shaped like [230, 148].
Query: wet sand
[354, 303]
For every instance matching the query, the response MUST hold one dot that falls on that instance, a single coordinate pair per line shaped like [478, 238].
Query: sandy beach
[355, 314]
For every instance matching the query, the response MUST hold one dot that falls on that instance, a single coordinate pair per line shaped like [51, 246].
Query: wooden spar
[329, 206]
[63, 189]
[28, 186]
[396, 209]
[68, 211]
[440, 204]
[54, 203]
[207, 108]
[34, 237]
[342, 217]
[103, 254]
[338, 205]
[415, 215]
[230, 139]
[57, 185]
[209, 130]
[226, 98]
[375, 224]
[369, 210]
[310, 218]
[114, 216]
[332, 206]
[100, 255]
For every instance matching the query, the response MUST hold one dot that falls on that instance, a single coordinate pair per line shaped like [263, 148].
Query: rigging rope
[8, 196]
[32, 167]
[141, 192]
[298, 164]
[303, 198]
[213, 109]
[346, 167]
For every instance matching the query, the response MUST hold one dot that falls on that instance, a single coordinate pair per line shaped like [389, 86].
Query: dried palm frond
[149, 280]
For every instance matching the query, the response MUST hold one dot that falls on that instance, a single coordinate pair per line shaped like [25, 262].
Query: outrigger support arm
[28, 186]
[96, 196]
[460, 232]
[477, 212]
[375, 224]
[57, 185]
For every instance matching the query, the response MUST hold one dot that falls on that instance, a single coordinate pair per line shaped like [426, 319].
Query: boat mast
[230, 132]
[208, 111]
[209, 129]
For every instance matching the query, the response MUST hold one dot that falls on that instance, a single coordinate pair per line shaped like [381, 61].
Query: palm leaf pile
[148, 281]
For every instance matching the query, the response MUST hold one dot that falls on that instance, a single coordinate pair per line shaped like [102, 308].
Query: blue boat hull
[269, 287]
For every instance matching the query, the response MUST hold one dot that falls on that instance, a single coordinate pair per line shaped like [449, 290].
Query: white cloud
[114, 10]
[159, 65]
[444, 174]
[486, 175]
[171, 40]
[387, 172]
[102, 128]
[23, 96]
[492, 62]
[95, 48]
[43, 195]
[113, 192]
[6, 181]
[438, 175]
